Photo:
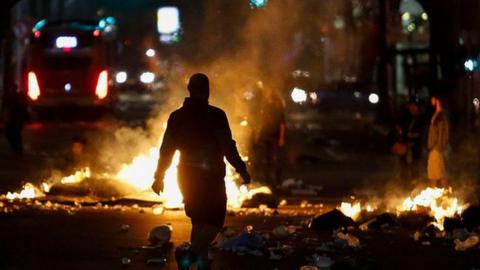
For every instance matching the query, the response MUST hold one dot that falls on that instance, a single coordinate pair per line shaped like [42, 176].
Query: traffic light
[258, 3]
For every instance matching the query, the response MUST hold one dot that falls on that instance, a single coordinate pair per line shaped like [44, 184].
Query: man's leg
[202, 235]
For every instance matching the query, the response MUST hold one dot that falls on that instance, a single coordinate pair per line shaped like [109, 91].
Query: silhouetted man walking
[202, 135]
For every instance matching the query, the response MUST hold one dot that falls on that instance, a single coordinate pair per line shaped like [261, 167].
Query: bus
[67, 66]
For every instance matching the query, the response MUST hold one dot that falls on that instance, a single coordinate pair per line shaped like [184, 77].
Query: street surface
[340, 154]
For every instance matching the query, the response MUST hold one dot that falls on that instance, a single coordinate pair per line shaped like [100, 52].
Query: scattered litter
[280, 232]
[460, 234]
[352, 241]
[322, 262]
[125, 227]
[470, 242]
[382, 221]
[157, 261]
[331, 221]
[160, 234]
[426, 243]
[157, 209]
[246, 241]
[471, 217]
[308, 267]
[126, 261]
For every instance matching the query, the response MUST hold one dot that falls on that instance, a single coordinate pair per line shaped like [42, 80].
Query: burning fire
[351, 210]
[439, 202]
[29, 191]
[77, 176]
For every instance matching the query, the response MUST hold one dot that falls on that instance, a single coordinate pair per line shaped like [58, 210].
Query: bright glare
[121, 77]
[406, 16]
[150, 53]
[168, 20]
[313, 96]
[424, 16]
[351, 210]
[476, 102]
[33, 87]
[147, 77]
[373, 98]
[66, 42]
[102, 85]
[299, 95]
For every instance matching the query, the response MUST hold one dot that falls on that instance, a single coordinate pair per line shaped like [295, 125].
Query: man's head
[198, 86]
[413, 105]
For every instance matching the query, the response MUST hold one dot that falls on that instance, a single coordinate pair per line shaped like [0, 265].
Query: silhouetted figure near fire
[438, 141]
[15, 113]
[270, 137]
[202, 135]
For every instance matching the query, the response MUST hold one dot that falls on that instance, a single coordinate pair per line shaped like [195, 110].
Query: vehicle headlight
[299, 95]
[373, 98]
[121, 77]
[147, 77]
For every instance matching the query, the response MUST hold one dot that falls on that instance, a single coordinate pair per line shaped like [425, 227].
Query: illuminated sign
[66, 42]
[168, 20]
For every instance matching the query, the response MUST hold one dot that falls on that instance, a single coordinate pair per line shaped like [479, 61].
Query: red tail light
[101, 90]
[33, 87]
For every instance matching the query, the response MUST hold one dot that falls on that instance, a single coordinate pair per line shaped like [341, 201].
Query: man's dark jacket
[202, 135]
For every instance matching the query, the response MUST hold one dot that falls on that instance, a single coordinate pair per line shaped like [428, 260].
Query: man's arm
[229, 148]
[167, 150]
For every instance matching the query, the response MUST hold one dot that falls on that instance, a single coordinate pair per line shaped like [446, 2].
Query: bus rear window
[67, 62]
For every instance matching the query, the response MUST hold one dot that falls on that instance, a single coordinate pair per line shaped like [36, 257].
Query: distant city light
[313, 96]
[147, 77]
[357, 94]
[66, 42]
[150, 53]
[470, 65]
[424, 16]
[373, 98]
[258, 3]
[121, 77]
[406, 16]
[299, 95]
[476, 102]
[67, 87]
[168, 20]
[411, 27]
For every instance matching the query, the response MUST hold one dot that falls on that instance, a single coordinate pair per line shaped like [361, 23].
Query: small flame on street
[351, 210]
[29, 191]
[77, 176]
[439, 202]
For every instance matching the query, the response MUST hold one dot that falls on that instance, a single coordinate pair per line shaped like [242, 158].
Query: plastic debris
[157, 209]
[322, 262]
[246, 241]
[157, 261]
[331, 221]
[308, 267]
[125, 227]
[382, 221]
[280, 232]
[160, 234]
[126, 261]
[471, 217]
[470, 242]
[352, 241]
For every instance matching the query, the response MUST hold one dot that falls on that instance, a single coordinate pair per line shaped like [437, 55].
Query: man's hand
[246, 177]
[157, 185]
